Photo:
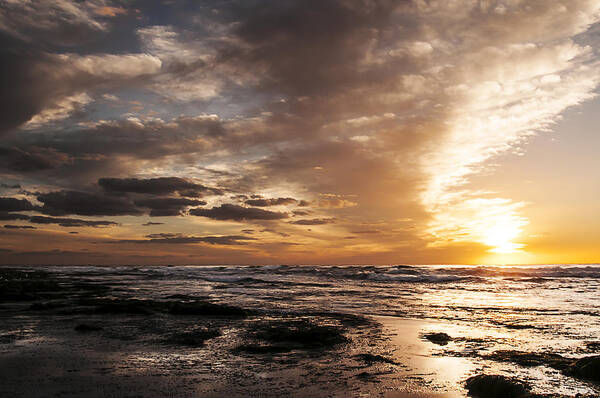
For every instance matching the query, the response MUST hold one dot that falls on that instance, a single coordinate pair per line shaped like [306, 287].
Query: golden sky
[300, 132]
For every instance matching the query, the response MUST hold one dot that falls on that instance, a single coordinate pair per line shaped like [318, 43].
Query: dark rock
[586, 368]
[496, 386]
[18, 285]
[132, 306]
[290, 334]
[194, 338]
[300, 334]
[261, 349]
[185, 297]
[349, 320]
[9, 338]
[519, 326]
[438, 338]
[531, 358]
[84, 328]
[45, 306]
[371, 359]
[204, 308]
[592, 346]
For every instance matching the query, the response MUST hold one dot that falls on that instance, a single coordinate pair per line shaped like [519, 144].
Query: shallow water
[549, 308]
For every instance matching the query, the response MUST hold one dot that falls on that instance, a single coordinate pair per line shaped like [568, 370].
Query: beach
[398, 331]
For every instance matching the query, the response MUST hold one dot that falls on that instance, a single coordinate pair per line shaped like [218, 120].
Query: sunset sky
[299, 132]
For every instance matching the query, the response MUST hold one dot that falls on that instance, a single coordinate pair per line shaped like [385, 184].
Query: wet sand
[53, 359]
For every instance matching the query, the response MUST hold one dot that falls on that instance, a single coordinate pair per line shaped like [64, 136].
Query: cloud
[167, 206]
[237, 213]
[271, 202]
[157, 186]
[19, 227]
[60, 110]
[314, 221]
[121, 146]
[334, 203]
[108, 11]
[366, 231]
[14, 204]
[40, 87]
[58, 22]
[71, 222]
[178, 239]
[4, 216]
[32, 159]
[149, 223]
[62, 203]
[301, 212]
[370, 110]
[10, 186]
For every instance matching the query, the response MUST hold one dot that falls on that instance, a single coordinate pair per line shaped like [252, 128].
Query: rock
[83, 328]
[194, 338]
[592, 346]
[18, 285]
[261, 349]
[586, 368]
[287, 335]
[496, 386]
[371, 359]
[45, 306]
[301, 333]
[204, 308]
[438, 338]
[126, 306]
[531, 358]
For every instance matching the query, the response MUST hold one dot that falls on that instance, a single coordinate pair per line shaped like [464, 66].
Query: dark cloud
[238, 213]
[157, 186]
[31, 159]
[59, 253]
[284, 234]
[271, 202]
[24, 81]
[149, 223]
[14, 204]
[71, 222]
[239, 197]
[62, 203]
[314, 221]
[163, 235]
[310, 47]
[143, 139]
[10, 186]
[19, 227]
[4, 216]
[34, 80]
[78, 155]
[167, 206]
[301, 212]
[176, 239]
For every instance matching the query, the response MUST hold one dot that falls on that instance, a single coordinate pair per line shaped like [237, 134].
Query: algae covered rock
[587, 368]
[496, 386]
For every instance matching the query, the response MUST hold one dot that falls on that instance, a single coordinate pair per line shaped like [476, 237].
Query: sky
[299, 132]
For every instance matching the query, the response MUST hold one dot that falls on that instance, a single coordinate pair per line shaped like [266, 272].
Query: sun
[501, 237]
